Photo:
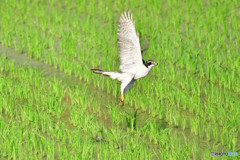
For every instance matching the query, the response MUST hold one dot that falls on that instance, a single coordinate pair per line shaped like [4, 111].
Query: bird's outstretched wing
[129, 49]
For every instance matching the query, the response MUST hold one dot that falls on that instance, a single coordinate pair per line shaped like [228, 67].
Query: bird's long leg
[127, 78]
[122, 98]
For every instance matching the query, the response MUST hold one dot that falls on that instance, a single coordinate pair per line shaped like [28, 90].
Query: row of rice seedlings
[65, 67]
[46, 137]
[29, 116]
[214, 118]
[67, 61]
[196, 125]
[199, 96]
[19, 114]
[45, 122]
[21, 108]
[51, 58]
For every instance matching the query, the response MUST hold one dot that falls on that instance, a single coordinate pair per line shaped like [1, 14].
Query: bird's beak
[155, 63]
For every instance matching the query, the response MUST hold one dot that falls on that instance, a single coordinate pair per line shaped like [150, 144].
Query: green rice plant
[208, 132]
[183, 123]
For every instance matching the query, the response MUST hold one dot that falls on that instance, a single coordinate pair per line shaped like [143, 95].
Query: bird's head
[150, 63]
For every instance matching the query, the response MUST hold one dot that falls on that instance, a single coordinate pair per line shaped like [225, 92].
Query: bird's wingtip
[98, 71]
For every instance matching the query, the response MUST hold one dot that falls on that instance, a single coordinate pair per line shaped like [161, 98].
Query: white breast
[141, 72]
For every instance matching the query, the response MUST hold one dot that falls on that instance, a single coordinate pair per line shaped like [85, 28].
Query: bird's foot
[122, 99]
[122, 102]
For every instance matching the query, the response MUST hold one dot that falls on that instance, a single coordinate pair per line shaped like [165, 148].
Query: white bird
[132, 66]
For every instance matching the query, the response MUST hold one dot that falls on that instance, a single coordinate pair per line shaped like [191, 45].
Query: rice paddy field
[53, 107]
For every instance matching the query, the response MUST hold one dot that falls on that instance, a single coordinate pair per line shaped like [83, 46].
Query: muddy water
[140, 118]
[46, 70]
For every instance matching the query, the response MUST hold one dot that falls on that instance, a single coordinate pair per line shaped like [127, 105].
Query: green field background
[53, 107]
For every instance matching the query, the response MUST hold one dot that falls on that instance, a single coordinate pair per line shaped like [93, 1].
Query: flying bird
[132, 66]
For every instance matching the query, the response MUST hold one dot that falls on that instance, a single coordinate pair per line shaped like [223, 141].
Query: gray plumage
[132, 66]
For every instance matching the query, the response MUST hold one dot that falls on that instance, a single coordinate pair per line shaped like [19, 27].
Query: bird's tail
[111, 74]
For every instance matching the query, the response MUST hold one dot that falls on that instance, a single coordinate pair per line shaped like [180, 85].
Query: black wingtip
[98, 71]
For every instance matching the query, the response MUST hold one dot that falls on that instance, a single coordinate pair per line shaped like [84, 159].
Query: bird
[132, 66]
